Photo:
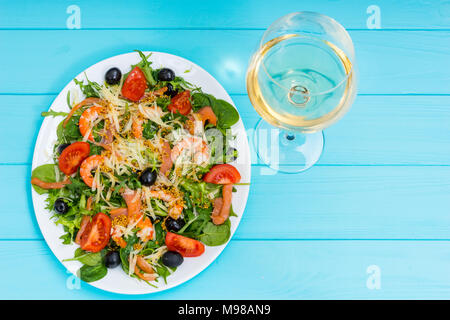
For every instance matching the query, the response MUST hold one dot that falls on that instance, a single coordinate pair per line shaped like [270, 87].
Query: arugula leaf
[66, 237]
[45, 172]
[215, 235]
[90, 89]
[86, 258]
[144, 65]
[92, 273]
[68, 100]
[163, 271]
[71, 222]
[199, 191]
[54, 113]
[150, 129]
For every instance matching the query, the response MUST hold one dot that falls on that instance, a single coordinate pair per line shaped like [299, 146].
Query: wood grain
[232, 14]
[270, 270]
[390, 62]
[379, 195]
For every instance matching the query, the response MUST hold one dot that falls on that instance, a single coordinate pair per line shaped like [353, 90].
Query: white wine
[300, 83]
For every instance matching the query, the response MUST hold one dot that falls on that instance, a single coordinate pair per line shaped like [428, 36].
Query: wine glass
[301, 79]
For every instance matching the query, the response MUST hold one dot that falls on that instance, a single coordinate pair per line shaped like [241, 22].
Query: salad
[141, 176]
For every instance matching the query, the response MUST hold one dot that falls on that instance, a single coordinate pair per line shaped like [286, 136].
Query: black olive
[172, 259]
[61, 147]
[174, 225]
[166, 74]
[113, 76]
[170, 91]
[148, 177]
[61, 206]
[112, 259]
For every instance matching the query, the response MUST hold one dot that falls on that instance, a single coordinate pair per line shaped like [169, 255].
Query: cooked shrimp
[146, 229]
[86, 120]
[133, 200]
[195, 147]
[83, 103]
[136, 127]
[89, 164]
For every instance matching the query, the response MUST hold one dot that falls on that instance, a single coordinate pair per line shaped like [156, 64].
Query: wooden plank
[390, 62]
[118, 14]
[379, 130]
[270, 270]
[326, 202]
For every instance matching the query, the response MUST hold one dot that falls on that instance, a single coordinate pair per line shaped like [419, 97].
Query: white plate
[116, 280]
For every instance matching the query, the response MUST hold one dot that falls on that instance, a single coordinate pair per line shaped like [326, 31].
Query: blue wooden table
[370, 220]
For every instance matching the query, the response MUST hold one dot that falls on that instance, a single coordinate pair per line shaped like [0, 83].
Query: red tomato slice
[96, 234]
[135, 84]
[222, 174]
[72, 157]
[187, 247]
[181, 103]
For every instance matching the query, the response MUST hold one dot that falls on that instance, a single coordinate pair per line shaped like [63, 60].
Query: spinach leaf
[200, 100]
[213, 235]
[46, 173]
[123, 253]
[92, 273]
[196, 222]
[87, 258]
[227, 115]
[70, 132]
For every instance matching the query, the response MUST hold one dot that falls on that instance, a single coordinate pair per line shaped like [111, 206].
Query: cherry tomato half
[96, 234]
[181, 103]
[72, 157]
[185, 246]
[222, 174]
[135, 84]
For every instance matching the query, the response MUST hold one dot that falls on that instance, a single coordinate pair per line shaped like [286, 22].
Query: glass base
[285, 151]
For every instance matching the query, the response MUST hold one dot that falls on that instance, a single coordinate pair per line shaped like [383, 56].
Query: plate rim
[35, 196]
